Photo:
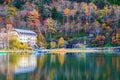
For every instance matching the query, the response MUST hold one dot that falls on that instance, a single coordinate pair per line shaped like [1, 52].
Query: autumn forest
[64, 23]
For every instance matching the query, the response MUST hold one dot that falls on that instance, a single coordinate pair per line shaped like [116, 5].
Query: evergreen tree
[100, 4]
[114, 2]
[1, 1]
[56, 15]
[119, 23]
[19, 3]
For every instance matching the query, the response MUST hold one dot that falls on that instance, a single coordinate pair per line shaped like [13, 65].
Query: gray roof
[25, 31]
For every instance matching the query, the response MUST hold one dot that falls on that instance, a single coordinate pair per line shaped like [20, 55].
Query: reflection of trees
[61, 59]
[66, 71]
[40, 61]
[76, 67]
[116, 62]
[14, 62]
[70, 67]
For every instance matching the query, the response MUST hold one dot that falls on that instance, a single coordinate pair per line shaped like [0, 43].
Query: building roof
[25, 31]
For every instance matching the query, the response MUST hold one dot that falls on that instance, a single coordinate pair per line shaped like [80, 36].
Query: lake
[69, 66]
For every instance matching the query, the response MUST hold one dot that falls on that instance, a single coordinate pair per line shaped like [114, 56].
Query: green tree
[100, 3]
[1, 1]
[114, 2]
[19, 3]
[119, 23]
[56, 15]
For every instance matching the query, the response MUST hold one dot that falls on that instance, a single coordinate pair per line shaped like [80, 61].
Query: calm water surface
[79, 66]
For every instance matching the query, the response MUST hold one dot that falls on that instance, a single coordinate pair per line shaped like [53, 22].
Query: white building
[25, 36]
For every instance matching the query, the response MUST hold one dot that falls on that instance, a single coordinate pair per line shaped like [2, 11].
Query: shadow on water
[80, 66]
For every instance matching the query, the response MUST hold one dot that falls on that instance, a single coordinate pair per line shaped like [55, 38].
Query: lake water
[76, 66]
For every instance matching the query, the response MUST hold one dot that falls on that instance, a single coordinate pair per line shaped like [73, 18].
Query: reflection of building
[3, 60]
[26, 64]
[25, 36]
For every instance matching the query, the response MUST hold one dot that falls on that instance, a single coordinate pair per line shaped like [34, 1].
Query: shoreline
[64, 50]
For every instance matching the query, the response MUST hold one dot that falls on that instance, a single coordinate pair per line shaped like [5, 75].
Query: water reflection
[83, 66]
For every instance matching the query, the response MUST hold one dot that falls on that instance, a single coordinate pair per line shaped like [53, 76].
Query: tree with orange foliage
[33, 19]
[109, 21]
[100, 37]
[66, 11]
[100, 40]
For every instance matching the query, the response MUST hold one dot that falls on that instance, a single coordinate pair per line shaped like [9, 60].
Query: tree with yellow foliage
[104, 25]
[53, 44]
[51, 25]
[16, 44]
[22, 46]
[41, 40]
[116, 39]
[61, 42]
[11, 11]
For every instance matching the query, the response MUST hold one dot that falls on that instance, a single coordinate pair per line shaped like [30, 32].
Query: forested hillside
[69, 19]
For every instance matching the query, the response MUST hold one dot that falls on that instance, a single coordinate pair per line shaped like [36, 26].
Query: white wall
[27, 38]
